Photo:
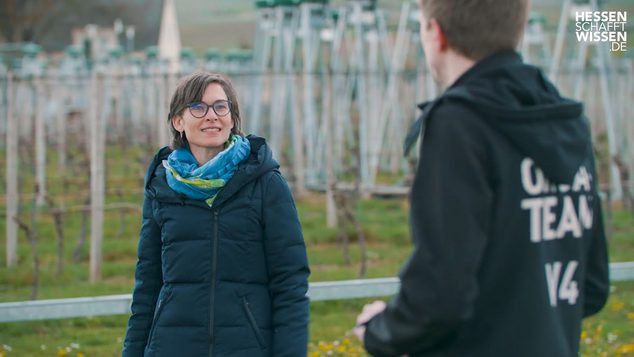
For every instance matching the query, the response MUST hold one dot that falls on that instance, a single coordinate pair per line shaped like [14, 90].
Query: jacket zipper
[213, 285]
[159, 308]
[254, 324]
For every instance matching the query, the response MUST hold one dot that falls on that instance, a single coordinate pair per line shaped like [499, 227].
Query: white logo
[602, 26]
[554, 212]
[557, 211]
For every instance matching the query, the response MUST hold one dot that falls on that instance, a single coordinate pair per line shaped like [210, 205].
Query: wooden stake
[96, 182]
[12, 177]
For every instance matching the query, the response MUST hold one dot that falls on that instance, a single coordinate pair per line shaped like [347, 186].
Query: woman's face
[211, 131]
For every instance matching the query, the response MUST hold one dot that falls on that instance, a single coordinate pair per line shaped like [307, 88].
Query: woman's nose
[211, 115]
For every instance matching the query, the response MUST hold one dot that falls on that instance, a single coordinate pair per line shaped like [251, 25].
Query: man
[509, 249]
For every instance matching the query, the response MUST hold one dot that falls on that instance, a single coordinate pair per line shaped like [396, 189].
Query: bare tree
[83, 232]
[344, 215]
[603, 166]
[122, 213]
[57, 213]
[26, 20]
[80, 165]
[347, 207]
[32, 20]
[628, 199]
[32, 237]
[83, 165]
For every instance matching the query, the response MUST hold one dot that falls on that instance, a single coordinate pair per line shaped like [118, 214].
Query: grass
[610, 333]
[621, 242]
[384, 224]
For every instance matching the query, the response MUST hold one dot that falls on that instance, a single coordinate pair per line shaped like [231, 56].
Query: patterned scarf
[203, 182]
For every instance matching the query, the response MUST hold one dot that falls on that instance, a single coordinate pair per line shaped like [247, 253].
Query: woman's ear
[177, 123]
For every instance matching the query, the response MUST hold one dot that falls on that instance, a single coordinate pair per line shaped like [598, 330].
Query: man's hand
[369, 311]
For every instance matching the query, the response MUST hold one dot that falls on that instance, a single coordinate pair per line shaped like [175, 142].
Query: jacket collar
[259, 162]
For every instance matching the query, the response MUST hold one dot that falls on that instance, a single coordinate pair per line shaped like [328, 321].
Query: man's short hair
[479, 28]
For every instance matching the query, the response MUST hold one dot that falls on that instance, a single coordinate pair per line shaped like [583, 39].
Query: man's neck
[455, 66]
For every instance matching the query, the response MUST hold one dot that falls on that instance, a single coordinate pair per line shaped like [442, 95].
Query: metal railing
[120, 304]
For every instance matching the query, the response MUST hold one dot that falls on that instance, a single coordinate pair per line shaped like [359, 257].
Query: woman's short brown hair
[191, 89]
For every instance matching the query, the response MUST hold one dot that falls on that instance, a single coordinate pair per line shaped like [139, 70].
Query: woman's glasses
[200, 109]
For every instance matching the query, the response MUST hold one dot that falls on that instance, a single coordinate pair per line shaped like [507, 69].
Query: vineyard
[332, 87]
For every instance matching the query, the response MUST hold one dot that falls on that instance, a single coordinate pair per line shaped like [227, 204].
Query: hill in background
[230, 23]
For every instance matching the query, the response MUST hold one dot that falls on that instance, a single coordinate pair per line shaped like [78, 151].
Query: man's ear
[438, 35]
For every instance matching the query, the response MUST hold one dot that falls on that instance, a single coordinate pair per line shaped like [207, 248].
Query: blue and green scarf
[203, 182]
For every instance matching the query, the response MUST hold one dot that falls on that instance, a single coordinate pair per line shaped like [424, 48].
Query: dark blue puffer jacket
[226, 280]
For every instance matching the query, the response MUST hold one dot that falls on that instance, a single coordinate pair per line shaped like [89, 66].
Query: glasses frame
[207, 106]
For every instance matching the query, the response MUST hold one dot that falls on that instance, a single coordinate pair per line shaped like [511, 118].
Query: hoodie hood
[527, 109]
[517, 101]
[259, 162]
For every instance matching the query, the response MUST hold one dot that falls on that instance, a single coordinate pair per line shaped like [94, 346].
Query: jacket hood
[527, 109]
[259, 162]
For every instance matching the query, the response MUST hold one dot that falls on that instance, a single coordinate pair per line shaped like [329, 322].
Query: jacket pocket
[253, 323]
[157, 313]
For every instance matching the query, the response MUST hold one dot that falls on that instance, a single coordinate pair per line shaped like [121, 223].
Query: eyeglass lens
[200, 109]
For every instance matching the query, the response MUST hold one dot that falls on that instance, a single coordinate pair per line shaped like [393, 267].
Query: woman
[222, 267]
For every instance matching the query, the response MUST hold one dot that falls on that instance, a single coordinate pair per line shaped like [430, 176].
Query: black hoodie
[509, 249]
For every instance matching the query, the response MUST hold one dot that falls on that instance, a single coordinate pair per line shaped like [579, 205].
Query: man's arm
[451, 202]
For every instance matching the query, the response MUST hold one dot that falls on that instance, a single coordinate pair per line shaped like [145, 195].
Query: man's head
[473, 29]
